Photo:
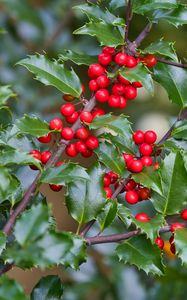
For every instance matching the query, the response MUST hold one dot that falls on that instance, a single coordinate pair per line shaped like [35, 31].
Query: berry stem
[172, 63]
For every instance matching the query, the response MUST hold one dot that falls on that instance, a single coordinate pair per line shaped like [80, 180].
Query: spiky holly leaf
[48, 288]
[10, 289]
[144, 6]
[176, 16]
[181, 244]
[180, 130]
[107, 215]
[78, 58]
[5, 94]
[33, 126]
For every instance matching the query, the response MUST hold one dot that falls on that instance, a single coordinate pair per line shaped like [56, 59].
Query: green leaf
[53, 73]
[161, 47]
[124, 214]
[181, 244]
[176, 16]
[5, 116]
[108, 154]
[139, 73]
[78, 58]
[144, 6]
[151, 228]
[173, 79]
[124, 143]
[2, 242]
[140, 252]
[85, 199]
[173, 178]
[10, 289]
[32, 224]
[33, 126]
[114, 4]
[5, 94]
[106, 34]
[64, 174]
[8, 184]
[107, 215]
[48, 288]
[180, 130]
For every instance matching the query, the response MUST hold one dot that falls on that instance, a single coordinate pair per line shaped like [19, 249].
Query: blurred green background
[40, 25]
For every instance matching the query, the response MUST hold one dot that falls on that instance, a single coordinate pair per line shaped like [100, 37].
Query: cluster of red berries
[115, 92]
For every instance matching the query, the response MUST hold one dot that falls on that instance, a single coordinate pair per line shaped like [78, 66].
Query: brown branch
[172, 63]
[128, 19]
[6, 268]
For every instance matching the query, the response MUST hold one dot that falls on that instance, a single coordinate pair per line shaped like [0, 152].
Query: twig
[6, 268]
[172, 63]
[128, 19]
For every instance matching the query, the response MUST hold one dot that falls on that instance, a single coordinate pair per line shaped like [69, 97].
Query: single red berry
[150, 61]
[131, 197]
[171, 239]
[103, 81]
[93, 86]
[102, 95]
[175, 226]
[55, 187]
[58, 164]
[113, 176]
[127, 157]
[150, 137]
[131, 61]
[143, 193]
[123, 80]
[45, 139]
[130, 92]
[87, 153]
[130, 185]
[82, 133]
[184, 214]
[172, 248]
[68, 98]
[80, 146]
[45, 156]
[106, 180]
[86, 116]
[109, 50]
[123, 102]
[156, 166]
[56, 124]
[118, 89]
[114, 101]
[95, 70]
[67, 133]
[71, 150]
[67, 109]
[142, 217]
[37, 155]
[91, 75]
[135, 165]
[120, 59]
[108, 192]
[145, 149]
[147, 161]
[73, 118]
[104, 59]
[159, 242]
[83, 88]
[137, 84]
[92, 142]
[98, 112]
[138, 137]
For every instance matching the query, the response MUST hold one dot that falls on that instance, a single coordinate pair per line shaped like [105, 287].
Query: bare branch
[128, 19]
[172, 63]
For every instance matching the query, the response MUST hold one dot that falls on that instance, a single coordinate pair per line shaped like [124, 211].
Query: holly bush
[126, 166]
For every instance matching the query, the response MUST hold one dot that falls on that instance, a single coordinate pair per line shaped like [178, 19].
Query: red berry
[95, 70]
[67, 133]
[73, 118]
[150, 137]
[143, 193]
[109, 50]
[159, 242]
[103, 81]
[156, 166]
[123, 80]
[45, 139]
[175, 226]
[145, 149]
[104, 59]
[137, 84]
[118, 89]
[80, 146]
[82, 133]
[142, 217]
[102, 95]
[130, 185]
[45, 156]
[68, 98]
[184, 214]
[113, 176]
[97, 112]
[56, 124]
[106, 180]
[120, 59]
[93, 85]
[108, 192]
[130, 92]
[55, 187]
[36, 154]
[71, 150]
[114, 101]
[138, 137]
[87, 153]
[131, 62]
[86, 116]
[67, 109]
[172, 248]
[127, 157]
[131, 197]
[92, 142]
[135, 165]
[147, 161]
[150, 61]
[58, 164]
[123, 102]
[83, 88]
